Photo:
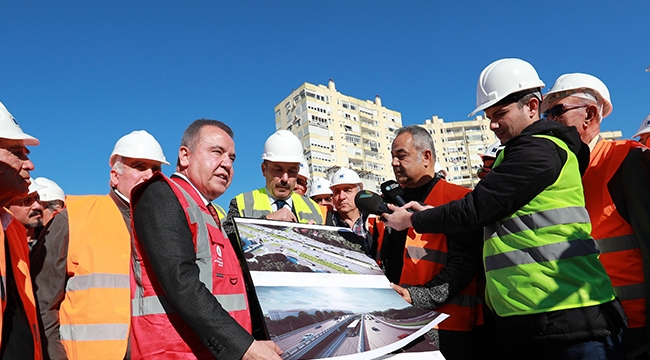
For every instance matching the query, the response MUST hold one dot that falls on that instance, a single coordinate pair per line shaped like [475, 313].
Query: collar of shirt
[205, 200]
[594, 141]
[118, 193]
[274, 207]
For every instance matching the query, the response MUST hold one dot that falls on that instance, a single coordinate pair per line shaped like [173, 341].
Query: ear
[263, 168]
[114, 177]
[591, 115]
[533, 106]
[427, 158]
[184, 157]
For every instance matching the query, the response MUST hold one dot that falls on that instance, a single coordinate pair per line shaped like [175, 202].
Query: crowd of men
[547, 258]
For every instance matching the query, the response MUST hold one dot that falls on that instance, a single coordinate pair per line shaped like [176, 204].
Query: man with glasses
[19, 323]
[28, 210]
[551, 295]
[617, 197]
[320, 192]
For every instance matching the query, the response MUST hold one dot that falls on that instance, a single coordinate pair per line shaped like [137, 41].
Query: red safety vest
[619, 246]
[156, 333]
[19, 252]
[425, 255]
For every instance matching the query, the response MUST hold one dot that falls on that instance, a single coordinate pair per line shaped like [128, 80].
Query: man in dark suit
[188, 288]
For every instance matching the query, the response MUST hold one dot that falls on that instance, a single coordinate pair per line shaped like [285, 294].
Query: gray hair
[422, 140]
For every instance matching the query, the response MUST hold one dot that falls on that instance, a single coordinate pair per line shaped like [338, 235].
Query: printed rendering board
[322, 297]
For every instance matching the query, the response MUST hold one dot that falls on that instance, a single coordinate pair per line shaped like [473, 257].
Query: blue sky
[80, 74]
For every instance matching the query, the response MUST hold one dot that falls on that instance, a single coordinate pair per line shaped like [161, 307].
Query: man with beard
[28, 210]
[277, 200]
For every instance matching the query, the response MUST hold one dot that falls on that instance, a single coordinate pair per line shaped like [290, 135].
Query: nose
[146, 174]
[395, 162]
[226, 162]
[28, 165]
[37, 205]
[494, 125]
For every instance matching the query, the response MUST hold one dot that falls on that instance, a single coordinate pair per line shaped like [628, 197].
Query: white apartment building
[337, 130]
[458, 144]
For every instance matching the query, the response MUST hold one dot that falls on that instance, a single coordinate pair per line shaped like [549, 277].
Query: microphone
[393, 193]
[371, 203]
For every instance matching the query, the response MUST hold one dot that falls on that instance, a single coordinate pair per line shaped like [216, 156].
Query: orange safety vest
[425, 255]
[95, 312]
[159, 332]
[19, 253]
[619, 246]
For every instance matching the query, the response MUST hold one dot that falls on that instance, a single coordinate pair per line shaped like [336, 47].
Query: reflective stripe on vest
[97, 280]
[256, 203]
[153, 305]
[619, 245]
[94, 332]
[542, 258]
[534, 221]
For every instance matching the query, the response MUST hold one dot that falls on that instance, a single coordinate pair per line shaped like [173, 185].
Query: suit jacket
[165, 236]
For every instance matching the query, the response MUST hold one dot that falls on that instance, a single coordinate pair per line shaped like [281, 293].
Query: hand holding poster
[322, 297]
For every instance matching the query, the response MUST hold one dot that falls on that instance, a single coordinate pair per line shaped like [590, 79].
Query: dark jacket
[529, 166]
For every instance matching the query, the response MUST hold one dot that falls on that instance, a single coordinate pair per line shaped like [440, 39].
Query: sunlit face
[210, 165]
[301, 185]
[280, 178]
[324, 200]
[408, 165]
[28, 210]
[14, 168]
[569, 112]
[508, 121]
[344, 197]
[134, 172]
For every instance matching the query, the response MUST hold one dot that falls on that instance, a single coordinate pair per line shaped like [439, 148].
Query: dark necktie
[215, 215]
[279, 204]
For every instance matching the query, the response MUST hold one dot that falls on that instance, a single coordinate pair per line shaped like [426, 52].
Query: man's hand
[402, 292]
[400, 219]
[283, 214]
[263, 350]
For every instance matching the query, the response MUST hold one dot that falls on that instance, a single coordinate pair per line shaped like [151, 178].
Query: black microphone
[393, 192]
[371, 203]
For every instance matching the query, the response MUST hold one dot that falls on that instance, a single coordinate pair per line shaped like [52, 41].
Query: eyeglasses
[559, 109]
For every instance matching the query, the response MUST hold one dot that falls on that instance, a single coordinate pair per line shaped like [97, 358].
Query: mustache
[35, 212]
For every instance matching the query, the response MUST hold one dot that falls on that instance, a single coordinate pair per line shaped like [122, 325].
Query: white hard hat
[34, 187]
[304, 170]
[491, 151]
[576, 83]
[9, 128]
[644, 128]
[51, 191]
[138, 145]
[502, 78]
[320, 186]
[283, 146]
[345, 176]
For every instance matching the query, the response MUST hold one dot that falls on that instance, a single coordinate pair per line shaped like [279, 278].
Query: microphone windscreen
[393, 192]
[370, 203]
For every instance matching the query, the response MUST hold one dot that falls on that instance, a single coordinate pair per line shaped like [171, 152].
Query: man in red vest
[188, 288]
[18, 319]
[617, 197]
[432, 273]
